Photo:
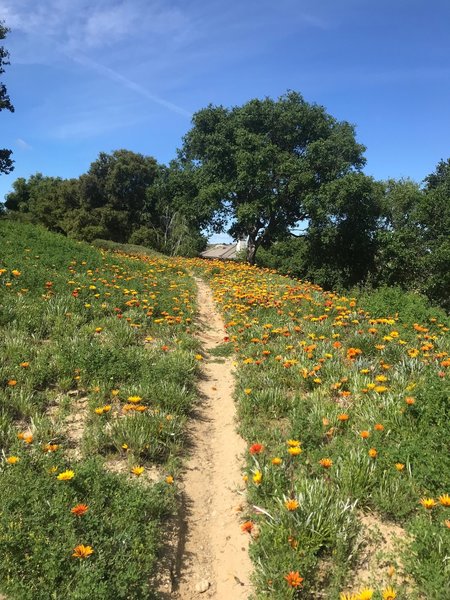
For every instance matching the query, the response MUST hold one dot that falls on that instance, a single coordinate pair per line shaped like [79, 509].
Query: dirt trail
[214, 561]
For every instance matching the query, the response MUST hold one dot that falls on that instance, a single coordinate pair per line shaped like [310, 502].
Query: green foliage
[83, 329]
[257, 163]
[121, 525]
[6, 163]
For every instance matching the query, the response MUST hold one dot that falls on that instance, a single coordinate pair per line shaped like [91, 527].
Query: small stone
[202, 586]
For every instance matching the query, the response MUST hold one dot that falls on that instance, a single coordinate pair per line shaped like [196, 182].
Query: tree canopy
[259, 163]
[6, 163]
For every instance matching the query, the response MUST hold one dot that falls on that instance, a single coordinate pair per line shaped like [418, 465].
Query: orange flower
[277, 460]
[373, 453]
[247, 526]
[410, 400]
[379, 427]
[12, 382]
[343, 417]
[256, 449]
[399, 466]
[291, 504]
[428, 503]
[50, 447]
[82, 551]
[326, 462]
[79, 510]
[444, 500]
[12, 460]
[364, 434]
[293, 579]
[24, 365]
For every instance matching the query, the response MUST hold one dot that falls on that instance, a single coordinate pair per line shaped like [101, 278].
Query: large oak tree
[259, 163]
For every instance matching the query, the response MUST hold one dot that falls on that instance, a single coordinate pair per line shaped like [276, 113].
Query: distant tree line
[262, 171]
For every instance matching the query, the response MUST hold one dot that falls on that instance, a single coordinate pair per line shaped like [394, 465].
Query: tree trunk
[251, 250]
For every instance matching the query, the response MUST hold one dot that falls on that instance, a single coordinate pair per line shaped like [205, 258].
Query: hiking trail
[214, 560]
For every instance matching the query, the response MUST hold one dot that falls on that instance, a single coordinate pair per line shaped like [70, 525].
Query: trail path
[214, 557]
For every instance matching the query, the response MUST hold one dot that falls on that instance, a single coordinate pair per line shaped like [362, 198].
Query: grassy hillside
[346, 416]
[96, 379]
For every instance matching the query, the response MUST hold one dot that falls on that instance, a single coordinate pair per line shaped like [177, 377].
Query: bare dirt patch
[379, 562]
[213, 559]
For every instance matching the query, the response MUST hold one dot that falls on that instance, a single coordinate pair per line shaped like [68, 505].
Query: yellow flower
[82, 551]
[137, 471]
[365, 594]
[444, 500]
[169, 479]
[373, 453]
[295, 450]
[257, 478]
[198, 357]
[291, 504]
[248, 391]
[344, 596]
[66, 476]
[428, 503]
[293, 443]
[277, 460]
[399, 466]
[12, 460]
[134, 399]
[16, 273]
[389, 594]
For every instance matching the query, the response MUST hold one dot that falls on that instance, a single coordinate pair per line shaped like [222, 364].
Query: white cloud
[22, 144]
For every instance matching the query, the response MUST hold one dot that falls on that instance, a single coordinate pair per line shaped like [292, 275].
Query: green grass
[83, 329]
[297, 373]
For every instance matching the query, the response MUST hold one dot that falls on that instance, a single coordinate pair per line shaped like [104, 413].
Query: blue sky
[97, 75]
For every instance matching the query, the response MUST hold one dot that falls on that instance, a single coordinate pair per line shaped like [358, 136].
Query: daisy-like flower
[373, 453]
[12, 460]
[291, 504]
[79, 510]
[247, 527]
[82, 551]
[365, 594]
[444, 499]
[326, 463]
[257, 478]
[389, 593]
[293, 579]
[137, 471]
[256, 448]
[66, 476]
[399, 466]
[277, 460]
[428, 503]
[295, 450]
[134, 399]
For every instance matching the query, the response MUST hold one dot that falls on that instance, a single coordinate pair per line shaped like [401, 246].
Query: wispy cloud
[77, 28]
[129, 84]
[22, 144]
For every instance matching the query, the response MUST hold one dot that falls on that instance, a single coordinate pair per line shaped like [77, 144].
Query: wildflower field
[345, 414]
[97, 378]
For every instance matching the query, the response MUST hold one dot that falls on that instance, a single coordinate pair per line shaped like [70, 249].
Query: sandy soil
[214, 561]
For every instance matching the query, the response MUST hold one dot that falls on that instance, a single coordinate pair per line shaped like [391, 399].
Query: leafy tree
[257, 163]
[341, 237]
[6, 163]
[114, 191]
[399, 259]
